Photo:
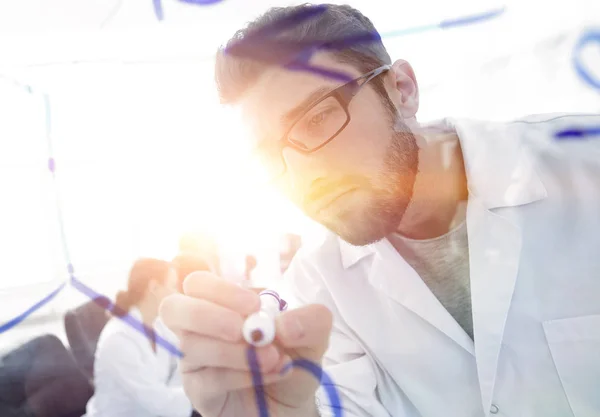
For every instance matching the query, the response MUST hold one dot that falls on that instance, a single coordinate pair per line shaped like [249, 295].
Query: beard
[388, 194]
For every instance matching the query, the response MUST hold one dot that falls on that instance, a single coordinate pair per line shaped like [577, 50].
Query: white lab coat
[533, 221]
[131, 379]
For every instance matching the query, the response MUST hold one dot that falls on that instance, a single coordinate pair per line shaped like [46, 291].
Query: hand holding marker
[259, 331]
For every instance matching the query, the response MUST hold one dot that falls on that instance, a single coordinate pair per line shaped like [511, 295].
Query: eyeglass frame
[344, 95]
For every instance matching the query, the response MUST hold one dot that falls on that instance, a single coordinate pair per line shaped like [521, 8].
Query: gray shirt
[443, 264]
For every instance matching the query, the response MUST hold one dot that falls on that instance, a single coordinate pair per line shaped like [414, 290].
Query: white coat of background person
[133, 376]
[440, 232]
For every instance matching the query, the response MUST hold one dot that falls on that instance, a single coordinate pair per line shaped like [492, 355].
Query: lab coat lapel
[494, 252]
[393, 276]
[403, 284]
[500, 174]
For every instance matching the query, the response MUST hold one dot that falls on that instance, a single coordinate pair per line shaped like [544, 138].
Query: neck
[149, 311]
[440, 186]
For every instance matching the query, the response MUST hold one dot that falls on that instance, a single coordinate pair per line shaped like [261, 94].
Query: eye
[318, 119]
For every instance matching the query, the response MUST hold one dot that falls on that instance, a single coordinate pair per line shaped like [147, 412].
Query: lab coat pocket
[575, 347]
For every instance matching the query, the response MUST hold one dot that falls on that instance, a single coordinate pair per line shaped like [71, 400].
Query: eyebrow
[293, 114]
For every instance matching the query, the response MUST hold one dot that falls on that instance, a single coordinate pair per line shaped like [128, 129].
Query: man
[462, 275]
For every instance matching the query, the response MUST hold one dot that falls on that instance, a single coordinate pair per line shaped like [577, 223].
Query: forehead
[278, 91]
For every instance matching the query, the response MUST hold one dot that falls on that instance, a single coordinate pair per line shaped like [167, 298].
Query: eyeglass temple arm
[367, 77]
[375, 73]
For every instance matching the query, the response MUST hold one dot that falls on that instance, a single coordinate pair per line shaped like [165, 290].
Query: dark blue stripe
[13, 322]
[201, 2]
[336, 75]
[264, 44]
[259, 393]
[325, 380]
[158, 10]
[126, 317]
[469, 20]
[584, 74]
[577, 133]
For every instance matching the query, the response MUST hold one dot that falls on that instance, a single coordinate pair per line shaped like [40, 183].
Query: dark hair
[144, 271]
[234, 75]
[186, 264]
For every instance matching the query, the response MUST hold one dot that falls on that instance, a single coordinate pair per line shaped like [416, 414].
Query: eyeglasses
[316, 126]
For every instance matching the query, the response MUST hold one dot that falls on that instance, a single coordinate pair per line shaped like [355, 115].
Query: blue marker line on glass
[48, 114]
[582, 71]
[125, 317]
[325, 381]
[13, 322]
[259, 393]
[446, 24]
[409, 31]
[201, 2]
[17, 84]
[279, 25]
[52, 169]
[347, 41]
[158, 10]
[468, 20]
[336, 75]
[160, 15]
[78, 285]
[577, 133]
[311, 367]
[263, 44]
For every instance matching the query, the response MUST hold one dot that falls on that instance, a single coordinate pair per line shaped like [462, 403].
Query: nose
[302, 170]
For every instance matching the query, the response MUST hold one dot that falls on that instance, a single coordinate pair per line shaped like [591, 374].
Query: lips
[322, 197]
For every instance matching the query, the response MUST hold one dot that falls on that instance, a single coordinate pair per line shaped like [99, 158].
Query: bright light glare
[144, 154]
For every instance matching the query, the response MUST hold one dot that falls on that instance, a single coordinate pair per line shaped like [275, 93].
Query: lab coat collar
[352, 254]
[500, 170]
[500, 173]
[135, 313]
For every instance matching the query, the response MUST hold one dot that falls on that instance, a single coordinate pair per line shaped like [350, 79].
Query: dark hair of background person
[234, 76]
[144, 271]
[186, 264]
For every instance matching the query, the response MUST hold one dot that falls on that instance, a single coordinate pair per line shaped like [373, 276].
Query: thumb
[305, 327]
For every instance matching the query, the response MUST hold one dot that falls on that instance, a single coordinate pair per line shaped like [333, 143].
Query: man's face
[359, 184]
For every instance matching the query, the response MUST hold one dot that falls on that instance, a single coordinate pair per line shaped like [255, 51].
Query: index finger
[210, 287]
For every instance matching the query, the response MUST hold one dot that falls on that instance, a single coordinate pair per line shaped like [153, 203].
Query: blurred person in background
[186, 263]
[132, 375]
[461, 274]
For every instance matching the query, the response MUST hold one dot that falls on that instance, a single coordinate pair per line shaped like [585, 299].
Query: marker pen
[259, 328]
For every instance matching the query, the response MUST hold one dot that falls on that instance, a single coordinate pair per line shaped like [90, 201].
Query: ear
[405, 90]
